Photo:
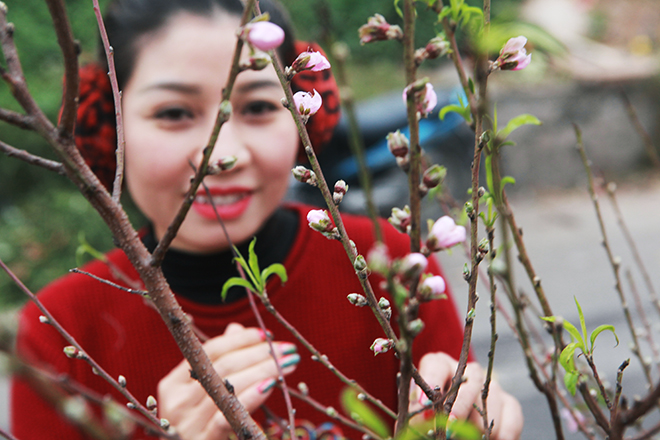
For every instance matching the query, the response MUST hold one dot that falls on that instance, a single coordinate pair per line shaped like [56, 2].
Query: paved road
[562, 237]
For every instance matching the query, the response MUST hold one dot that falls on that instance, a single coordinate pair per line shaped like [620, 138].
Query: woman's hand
[242, 357]
[503, 409]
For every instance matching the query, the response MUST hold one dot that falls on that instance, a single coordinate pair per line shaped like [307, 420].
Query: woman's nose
[230, 151]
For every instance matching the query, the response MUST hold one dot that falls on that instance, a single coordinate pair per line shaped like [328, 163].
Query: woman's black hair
[128, 20]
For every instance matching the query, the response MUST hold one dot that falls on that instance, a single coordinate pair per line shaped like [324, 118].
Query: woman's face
[169, 107]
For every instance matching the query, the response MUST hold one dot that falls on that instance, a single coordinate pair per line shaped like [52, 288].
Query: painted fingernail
[290, 360]
[266, 385]
[262, 334]
[287, 348]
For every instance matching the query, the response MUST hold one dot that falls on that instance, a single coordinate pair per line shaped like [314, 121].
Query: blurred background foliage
[41, 214]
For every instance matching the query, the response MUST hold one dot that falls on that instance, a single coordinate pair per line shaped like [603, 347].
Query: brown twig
[110, 283]
[641, 312]
[493, 334]
[21, 121]
[334, 414]
[32, 159]
[651, 151]
[70, 50]
[615, 262]
[639, 261]
[80, 352]
[116, 96]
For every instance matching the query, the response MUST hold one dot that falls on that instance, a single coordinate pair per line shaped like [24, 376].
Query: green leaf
[236, 281]
[598, 331]
[570, 328]
[274, 269]
[582, 324]
[549, 318]
[368, 417]
[515, 123]
[505, 180]
[571, 380]
[567, 357]
[398, 8]
[471, 85]
[254, 266]
[495, 118]
[464, 430]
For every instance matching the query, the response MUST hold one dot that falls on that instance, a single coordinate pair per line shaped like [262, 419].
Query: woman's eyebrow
[266, 83]
[187, 89]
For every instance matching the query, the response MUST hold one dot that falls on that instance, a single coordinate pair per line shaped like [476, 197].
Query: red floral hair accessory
[96, 133]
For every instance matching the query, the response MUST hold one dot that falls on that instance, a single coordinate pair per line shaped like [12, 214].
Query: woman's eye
[259, 108]
[174, 114]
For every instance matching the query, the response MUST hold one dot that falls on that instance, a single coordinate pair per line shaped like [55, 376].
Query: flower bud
[303, 388]
[378, 258]
[223, 164]
[307, 103]
[257, 61]
[122, 381]
[425, 95]
[44, 319]
[437, 47]
[434, 176]
[381, 345]
[378, 29]
[310, 60]
[444, 234]
[432, 288]
[398, 144]
[340, 189]
[165, 424]
[513, 55]
[403, 163]
[356, 299]
[383, 303]
[319, 221]
[484, 246]
[151, 403]
[71, 352]
[304, 175]
[412, 266]
[415, 327]
[331, 412]
[400, 219]
[263, 35]
[360, 263]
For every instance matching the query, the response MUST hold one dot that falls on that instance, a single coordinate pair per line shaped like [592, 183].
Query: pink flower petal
[265, 35]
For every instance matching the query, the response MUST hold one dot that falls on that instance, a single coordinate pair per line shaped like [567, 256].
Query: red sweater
[127, 337]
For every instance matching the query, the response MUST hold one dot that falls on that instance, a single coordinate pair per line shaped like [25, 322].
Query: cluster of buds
[381, 345]
[256, 61]
[360, 266]
[308, 60]
[400, 219]
[319, 221]
[384, 306]
[432, 287]
[304, 175]
[513, 55]
[437, 47]
[378, 29]
[412, 266]
[262, 34]
[223, 164]
[357, 300]
[340, 189]
[444, 233]
[424, 95]
[307, 103]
